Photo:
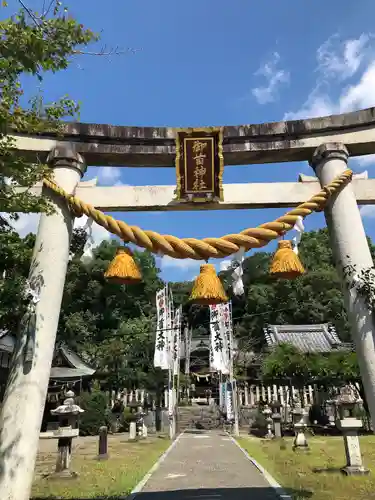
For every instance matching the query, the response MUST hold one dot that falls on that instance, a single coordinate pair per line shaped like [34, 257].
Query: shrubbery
[96, 412]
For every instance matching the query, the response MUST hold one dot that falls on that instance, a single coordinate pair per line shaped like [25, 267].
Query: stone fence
[249, 395]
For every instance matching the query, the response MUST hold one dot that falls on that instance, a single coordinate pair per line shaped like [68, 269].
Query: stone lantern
[67, 415]
[346, 402]
[267, 413]
[276, 418]
[299, 424]
[141, 428]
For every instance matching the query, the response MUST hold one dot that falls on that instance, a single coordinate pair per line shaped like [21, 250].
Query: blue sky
[214, 62]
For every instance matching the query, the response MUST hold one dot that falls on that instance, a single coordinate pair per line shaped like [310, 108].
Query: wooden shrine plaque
[199, 164]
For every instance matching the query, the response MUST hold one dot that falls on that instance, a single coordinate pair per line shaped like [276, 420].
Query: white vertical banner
[170, 329]
[161, 354]
[176, 340]
[229, 401]
[226, 315]
[188, 335]
[219, 344]
[222, 395]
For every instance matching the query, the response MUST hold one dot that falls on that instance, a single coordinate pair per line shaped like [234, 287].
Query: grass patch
[115, 477]
[295, 470]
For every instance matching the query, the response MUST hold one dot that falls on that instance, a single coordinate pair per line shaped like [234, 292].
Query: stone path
[207, 466]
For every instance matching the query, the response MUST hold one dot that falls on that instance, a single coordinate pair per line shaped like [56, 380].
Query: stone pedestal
[300, 441]
[64, 455]
[354, 465]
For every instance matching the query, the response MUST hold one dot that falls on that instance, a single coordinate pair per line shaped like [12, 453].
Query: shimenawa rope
[192, 248]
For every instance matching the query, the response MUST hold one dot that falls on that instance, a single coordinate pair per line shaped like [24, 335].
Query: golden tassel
[286, 263]
[207, 288]
[123, 269]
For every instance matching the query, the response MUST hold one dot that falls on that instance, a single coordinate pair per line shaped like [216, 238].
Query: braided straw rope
[192, 248]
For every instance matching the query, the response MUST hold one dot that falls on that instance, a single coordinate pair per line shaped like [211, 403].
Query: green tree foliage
[95, 414]
[113, 326]
[286, 363]
[315, 297]
[15, 258]
[93, 310]
[32, 44]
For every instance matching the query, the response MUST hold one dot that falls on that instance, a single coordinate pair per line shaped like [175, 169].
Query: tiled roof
[76, 368]
[307, 338]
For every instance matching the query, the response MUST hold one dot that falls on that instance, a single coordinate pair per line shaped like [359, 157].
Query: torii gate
[326, 143]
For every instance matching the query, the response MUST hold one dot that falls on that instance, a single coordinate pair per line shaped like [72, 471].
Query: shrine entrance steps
[197, 416]
[206, 465]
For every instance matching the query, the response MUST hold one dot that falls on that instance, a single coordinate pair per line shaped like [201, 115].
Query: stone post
[132, 431]
[276, 418]
[257, 394]
[25, 395]
[251, 395]
[144, 430]
[350, 247]
[103, 443]
[166, 398]
[246, 394]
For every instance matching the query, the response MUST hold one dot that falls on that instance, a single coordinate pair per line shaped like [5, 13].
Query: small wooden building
[68, 371]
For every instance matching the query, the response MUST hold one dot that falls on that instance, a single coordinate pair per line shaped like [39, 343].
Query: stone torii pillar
[27, 385]
[350, 246]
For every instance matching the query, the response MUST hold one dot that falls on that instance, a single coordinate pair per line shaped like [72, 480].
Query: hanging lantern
[123, 269]
[286, 263]
[207, 288]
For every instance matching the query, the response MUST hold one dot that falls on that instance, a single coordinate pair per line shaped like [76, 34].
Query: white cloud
[181, 264]
[28, 223]
[365, 161]
[342, 59]
[274, 78]
[361, 94]
[225, 265]
[368, 211]
[342, 64]
[109, 175]
[98, 233]
[105, 175]
[315, 105]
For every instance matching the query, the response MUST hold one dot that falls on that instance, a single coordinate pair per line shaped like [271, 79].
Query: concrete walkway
[206, 466]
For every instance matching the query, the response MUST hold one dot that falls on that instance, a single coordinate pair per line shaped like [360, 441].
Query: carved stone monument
[346, 401]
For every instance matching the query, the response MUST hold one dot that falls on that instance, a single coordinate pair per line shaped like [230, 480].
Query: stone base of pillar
[354, 471]
[64, 474]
